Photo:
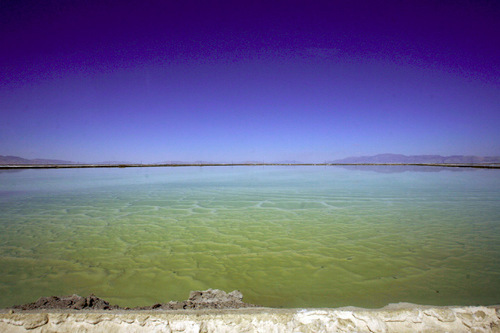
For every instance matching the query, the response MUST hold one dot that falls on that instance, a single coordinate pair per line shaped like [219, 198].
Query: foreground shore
[218, 311]
[392, 318]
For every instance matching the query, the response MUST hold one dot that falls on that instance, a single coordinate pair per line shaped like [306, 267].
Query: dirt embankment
[207, 299]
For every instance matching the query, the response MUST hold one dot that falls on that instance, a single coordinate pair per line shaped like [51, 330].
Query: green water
[284, 236]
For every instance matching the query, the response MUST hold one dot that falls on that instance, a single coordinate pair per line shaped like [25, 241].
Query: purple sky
[226, 81]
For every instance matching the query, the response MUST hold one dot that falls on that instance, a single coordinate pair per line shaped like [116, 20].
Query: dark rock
[80, 304]
[207, 299]
[67, 302]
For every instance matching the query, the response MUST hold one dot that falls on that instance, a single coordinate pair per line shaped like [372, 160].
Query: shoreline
[215, 310]
[133, 165]
[398, 317]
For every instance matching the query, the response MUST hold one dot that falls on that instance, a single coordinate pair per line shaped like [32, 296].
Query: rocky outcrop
[401, 318]
[73, 302]
[206, 299]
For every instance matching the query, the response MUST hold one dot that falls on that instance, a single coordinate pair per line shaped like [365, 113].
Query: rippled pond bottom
[283, 236]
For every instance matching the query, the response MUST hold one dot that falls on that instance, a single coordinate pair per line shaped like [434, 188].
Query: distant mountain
[249, 162]
[13, 160]
[184, 162]
[430, 159]
[375, 159]
[113, 162]
[289, 162]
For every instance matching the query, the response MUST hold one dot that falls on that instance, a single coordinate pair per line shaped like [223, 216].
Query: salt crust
[402, 317]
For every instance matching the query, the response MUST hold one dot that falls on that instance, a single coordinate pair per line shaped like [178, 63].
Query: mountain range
[425, 159]
[375, 159]
[14, 160]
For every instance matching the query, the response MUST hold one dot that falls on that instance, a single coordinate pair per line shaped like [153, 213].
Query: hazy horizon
[237, 81]
[377, 158]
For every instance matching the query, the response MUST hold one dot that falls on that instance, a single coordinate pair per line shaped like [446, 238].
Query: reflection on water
[284, 236]
[10, 170]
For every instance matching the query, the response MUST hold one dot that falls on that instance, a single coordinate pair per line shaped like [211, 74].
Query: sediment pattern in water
[285, 237]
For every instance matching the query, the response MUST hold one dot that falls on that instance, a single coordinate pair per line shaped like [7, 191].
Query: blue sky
[235, 81]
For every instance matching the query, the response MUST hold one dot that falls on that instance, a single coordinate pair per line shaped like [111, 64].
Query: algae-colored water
[284, 236]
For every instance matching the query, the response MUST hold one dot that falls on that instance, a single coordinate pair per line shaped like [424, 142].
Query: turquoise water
[284, 236]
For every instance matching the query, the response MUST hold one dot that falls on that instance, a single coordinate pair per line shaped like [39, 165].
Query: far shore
[80, 166]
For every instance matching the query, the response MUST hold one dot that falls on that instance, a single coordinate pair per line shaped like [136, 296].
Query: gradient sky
[153, 81]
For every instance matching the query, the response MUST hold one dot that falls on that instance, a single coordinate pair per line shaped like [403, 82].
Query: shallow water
[284, 236]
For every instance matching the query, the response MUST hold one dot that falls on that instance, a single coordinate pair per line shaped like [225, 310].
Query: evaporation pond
[284, 236]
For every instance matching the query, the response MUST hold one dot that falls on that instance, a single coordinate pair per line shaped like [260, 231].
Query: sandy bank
[393, 318]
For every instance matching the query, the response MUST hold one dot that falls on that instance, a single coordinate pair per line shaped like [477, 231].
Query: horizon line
[486, 165]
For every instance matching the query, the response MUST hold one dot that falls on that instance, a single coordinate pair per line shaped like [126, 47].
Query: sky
[231, 81]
